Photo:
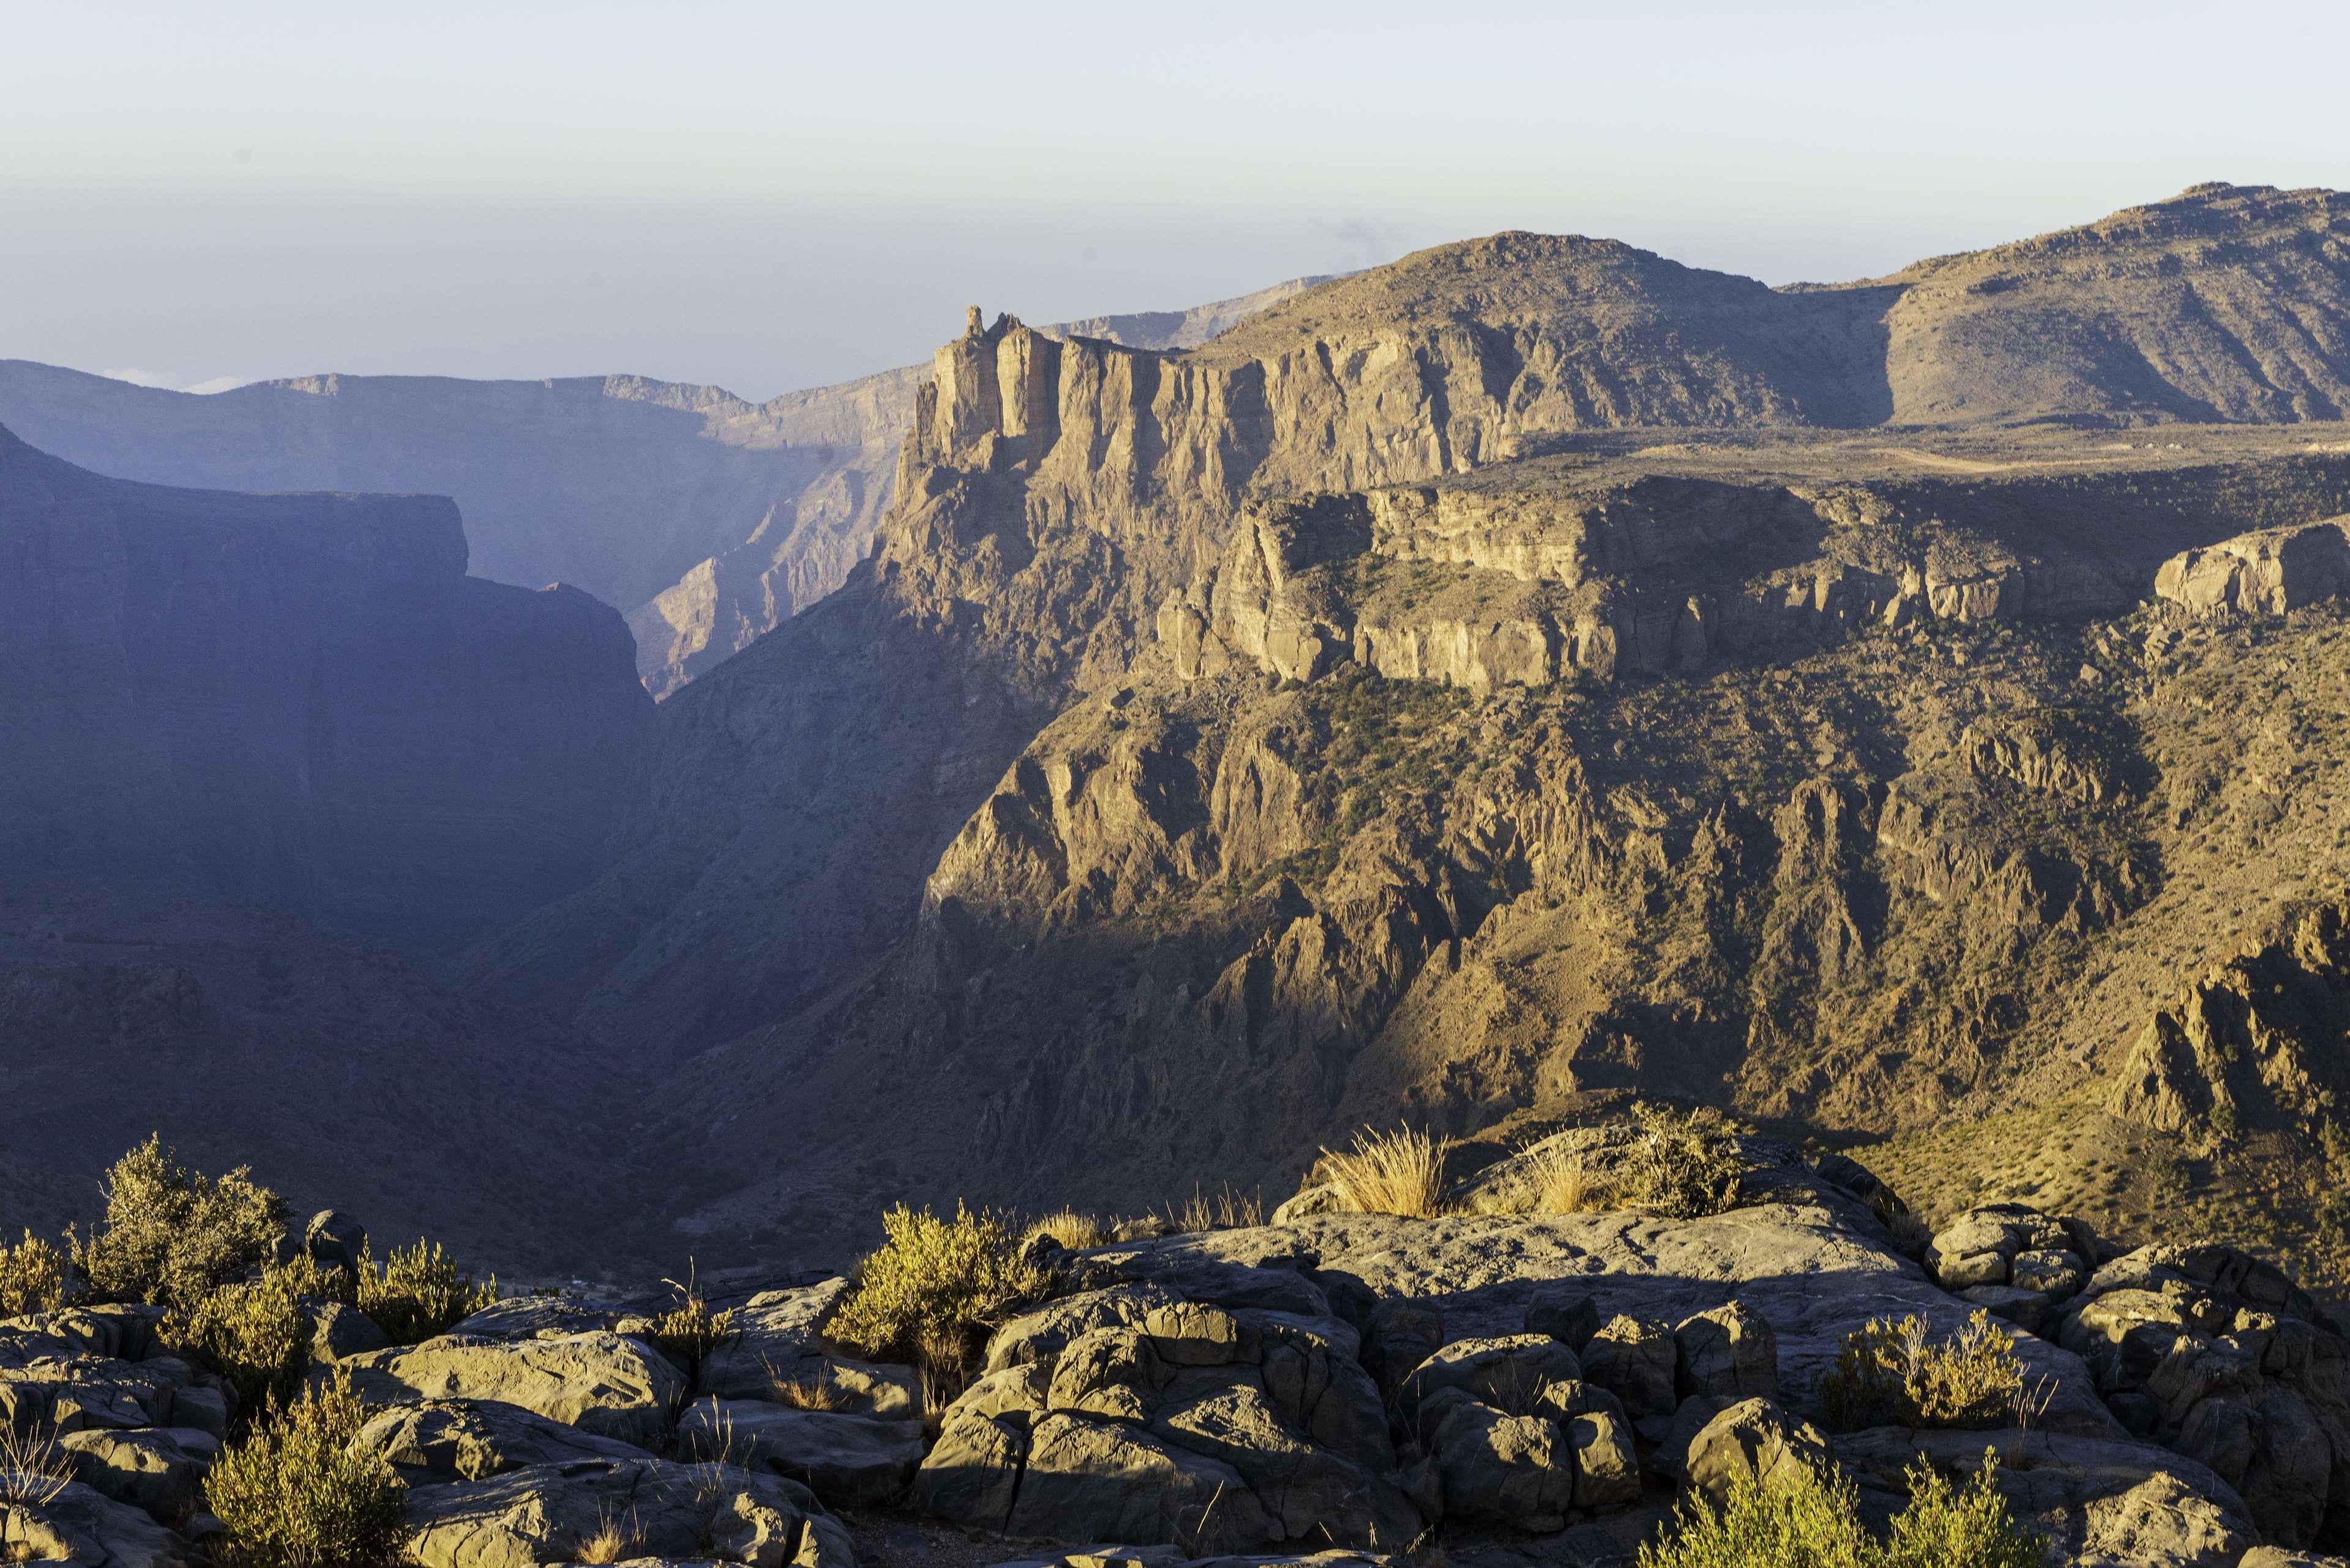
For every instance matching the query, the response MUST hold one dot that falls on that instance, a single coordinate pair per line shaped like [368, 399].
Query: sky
[773, 195]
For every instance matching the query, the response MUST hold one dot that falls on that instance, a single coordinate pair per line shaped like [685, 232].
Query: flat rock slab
[599, 1381]
[456, 1439]
[547, 1513]
[848, 1462]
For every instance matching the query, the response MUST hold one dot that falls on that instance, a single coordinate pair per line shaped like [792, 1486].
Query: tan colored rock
[600, 1382]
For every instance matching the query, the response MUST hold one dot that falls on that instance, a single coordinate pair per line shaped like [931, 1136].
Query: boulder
[1753, 1437]
[537, 1317]
[2026, 1309]
[1498, 1469]
[337, 1331]
[1521, 1373]
[1606, 1465]
[848, 1462]
[440, 1439]
[1569, 1316]
[972, 1473]
[1729, 1353]
[1637, 1360]
[334, 1240]
[599, 1381]
[546, 1514]
[158, 1468]
[86, 1529]
[1107, 1480]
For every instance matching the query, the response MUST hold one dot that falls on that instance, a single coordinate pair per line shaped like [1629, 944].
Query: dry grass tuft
[1563, 1183]
[817, 1392]
[610, 1544]
[33, 1469]
[1072, 1229]
[1228, 1209]
[1400, 1172]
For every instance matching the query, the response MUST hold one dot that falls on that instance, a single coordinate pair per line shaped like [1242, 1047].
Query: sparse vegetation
[32, 1277]
[172, 1234]
[1400, 1172]
[934, 1286]
[1814, 1522]
[1226, 1209]
[1896, 1373]
[610, 1544]
[1684, 1165]
[811, 1392]
[418, 1293]
[296, 1495]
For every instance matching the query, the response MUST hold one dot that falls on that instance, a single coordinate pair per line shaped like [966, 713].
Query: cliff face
[298, 701]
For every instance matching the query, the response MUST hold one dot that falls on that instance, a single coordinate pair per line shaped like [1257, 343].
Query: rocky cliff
[1360, 717]
[301, 702]
[708, 518]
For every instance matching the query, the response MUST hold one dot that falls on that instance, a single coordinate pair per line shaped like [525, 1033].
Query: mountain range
[1534, 673]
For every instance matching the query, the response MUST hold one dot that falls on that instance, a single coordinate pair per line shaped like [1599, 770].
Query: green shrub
[689, 1331]
[934, 1284]
[294, 1495]
[418, 1293]
[1814, 1522]
[256, 1335]
[32, 1277]
[1891, 1374]
[1682, 1166]
[172, 1234]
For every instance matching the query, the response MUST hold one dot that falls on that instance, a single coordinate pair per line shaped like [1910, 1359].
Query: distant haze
[768, 196]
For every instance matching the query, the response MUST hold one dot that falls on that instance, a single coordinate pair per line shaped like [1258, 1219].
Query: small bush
[172, 1234]
[1891, 1374]
[1814, 1522]
[817, 1393]
[1072, 1229]
[256, 1335]
[1682, 1166]
[295, 1495]
[1400, 1172]
[418, 1293]
[690, 1330]
[934, 1284]
[32, 1277]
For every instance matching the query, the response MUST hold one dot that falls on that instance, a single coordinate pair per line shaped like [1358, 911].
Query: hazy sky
[774, 195]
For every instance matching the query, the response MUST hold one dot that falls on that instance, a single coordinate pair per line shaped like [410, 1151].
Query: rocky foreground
[1503, 1386]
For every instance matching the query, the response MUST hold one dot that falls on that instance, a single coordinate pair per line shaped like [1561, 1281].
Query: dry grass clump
[1892, 1374]
[172, 1234]
[813, 1393]
[1682, 1166]
[610, 1544]
[32, 1277]
[1400, 1172]
[934, 1286]
[1813, 1520]
[1564, 1183]
[33, 1468]
[295, 1495]
[1072, 1229]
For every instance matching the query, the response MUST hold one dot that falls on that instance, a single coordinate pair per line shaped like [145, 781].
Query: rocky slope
[706, 517]
[300, 701]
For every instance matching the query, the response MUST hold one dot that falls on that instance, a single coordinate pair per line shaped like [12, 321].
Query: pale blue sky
[777, 195]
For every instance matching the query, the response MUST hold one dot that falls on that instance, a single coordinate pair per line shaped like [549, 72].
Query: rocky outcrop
[2267, 573]
[2257, 1043]
[299, 701]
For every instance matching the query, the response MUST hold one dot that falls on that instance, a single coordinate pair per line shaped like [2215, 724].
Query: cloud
[219, 384]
